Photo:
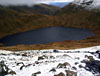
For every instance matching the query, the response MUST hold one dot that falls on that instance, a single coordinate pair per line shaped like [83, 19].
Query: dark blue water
[46, 35]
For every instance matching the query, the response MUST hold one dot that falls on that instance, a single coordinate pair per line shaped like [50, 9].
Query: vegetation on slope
[13, 22]
[76, 16]
[39, 8]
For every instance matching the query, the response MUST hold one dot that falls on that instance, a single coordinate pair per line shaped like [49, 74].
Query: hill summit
[90, 4]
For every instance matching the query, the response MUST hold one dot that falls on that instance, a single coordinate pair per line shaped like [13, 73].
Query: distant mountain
[82, 15]
[39, 8]
[88, 4]
[59, 4]
[80, 5]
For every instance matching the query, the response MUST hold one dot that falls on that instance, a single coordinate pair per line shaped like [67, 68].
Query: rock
[60, 74]
[84, 61]
[38, 72]
[25, 54]
[74, 68]
[66, 55]
[20, 63]
[36, 62]
[76, 63]
[22, 67]
[97, 53]
[52, 57]
[60, 65]
[56, 51]
[12, 72]
[93, 66]
[3, 68]
[89, 57]
[77, 58]
[28, 65]
[70, 73]
[80, 66]
[42, 57]
[53, 70]
[16, 54]
[35, 74]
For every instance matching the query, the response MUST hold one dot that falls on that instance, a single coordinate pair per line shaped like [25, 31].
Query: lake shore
[70, 44]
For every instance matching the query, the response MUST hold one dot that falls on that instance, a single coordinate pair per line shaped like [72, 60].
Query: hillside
[77, 16]
[38, 9]
[13, 22]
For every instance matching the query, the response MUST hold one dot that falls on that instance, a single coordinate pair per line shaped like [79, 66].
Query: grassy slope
[13, 22]
[74, 16]
[39, 8]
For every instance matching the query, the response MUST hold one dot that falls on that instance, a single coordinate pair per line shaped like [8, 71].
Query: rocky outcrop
[35, 74]
[94, 67]
[64, 65]
[60, 74]
[90, 4]
[70, 73]
[4, 70]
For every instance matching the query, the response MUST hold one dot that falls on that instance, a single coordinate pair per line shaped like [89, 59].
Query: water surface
[46, 35]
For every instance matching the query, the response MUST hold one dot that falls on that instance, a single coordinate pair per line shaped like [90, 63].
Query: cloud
[28, 2]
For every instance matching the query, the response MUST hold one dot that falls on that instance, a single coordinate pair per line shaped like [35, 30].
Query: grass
[38, 8]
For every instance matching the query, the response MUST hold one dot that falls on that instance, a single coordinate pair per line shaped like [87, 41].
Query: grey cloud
[28, 2]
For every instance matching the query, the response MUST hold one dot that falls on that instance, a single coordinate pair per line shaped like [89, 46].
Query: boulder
[70, 73]
[93, 66]
[56, 51]
[74, 68]
[60, 74]
[53, 70]
[60, 65]
[3, 69]
[35, 74]
[42, 57]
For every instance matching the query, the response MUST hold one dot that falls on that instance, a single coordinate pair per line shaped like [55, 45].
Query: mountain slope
[39, 8]
[13, 22]
[78, 16]
[88, 4]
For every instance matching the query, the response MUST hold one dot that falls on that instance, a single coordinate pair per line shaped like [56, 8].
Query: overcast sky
[28, 2]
